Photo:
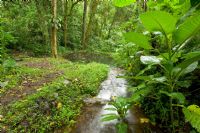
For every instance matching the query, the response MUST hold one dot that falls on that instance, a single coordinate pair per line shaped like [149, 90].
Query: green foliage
[175, 7]
[122, 3]
[139, 92]
[192, 114]
[150, 60]
[158, 21]
[175, 95]
[9, 64]
[109, 117]
[187, 29]
[138, 39]
[5, 38]
[164, 69]
[122, 128]
[121, 105]
[57, 103]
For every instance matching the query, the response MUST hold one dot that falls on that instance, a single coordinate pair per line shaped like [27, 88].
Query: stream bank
[90, 119]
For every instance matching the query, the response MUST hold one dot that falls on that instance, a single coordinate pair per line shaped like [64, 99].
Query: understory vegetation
[52, 104]
[156, 42]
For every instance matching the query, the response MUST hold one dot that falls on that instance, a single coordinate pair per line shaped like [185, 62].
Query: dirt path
[27, 86]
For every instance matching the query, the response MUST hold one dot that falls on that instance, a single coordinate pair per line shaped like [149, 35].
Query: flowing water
[90, 120]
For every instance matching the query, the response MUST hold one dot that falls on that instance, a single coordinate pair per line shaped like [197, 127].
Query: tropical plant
[167, 56]
[120, 105]
[192, 113]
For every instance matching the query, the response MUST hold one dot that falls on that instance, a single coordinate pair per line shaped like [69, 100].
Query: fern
[192, 114]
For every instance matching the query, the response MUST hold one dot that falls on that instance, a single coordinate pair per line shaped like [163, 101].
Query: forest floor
[42, 94]
[30, 85]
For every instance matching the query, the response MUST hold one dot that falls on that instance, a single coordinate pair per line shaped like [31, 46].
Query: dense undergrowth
[161, 58]
[54, 104]
[155, 41]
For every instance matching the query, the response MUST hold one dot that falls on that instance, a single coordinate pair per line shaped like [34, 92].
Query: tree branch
[73, 5]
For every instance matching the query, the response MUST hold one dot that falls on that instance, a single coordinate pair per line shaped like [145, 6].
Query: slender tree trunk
[93, 8]
[41, 18]
[113, 22]
[65, 12]
[145, 5]
[84, 24]
[54, 30]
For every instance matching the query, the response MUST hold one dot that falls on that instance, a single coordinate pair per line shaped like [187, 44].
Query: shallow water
[87, 57]
[90, 120]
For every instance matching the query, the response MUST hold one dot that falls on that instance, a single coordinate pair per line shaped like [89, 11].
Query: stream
[89, 120]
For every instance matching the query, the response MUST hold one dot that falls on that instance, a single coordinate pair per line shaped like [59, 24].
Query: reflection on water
[86, 57]
[90, 120]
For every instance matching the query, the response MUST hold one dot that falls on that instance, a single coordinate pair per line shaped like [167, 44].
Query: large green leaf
[122, 127]
[183, 65]
[188, 29]
[139, 39]
[109, 117]
[122, 3]
[191, 67]
[191, 54]
[150, 60]
[158, 21]
[192, 114]
[175, 95]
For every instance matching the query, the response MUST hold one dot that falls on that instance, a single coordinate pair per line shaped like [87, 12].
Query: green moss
[16, 75]
[57, 103]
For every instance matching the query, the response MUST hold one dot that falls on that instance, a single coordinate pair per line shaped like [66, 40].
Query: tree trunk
[84, 24]
[41, 18]
[93, 8]
[144, 5]
[113, 22]
[54, 30]
[65, 12]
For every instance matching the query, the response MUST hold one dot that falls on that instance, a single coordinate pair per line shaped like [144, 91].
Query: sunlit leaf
[122, 3]
[138, 39]
[192, 114]
[110, 117]
[189, 28]
[122, 128]
[160, 79]
[146, 78]
[191, 67]
[158, 21]
[150, 60]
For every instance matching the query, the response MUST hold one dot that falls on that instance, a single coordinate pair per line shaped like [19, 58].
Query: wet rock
[95, 100]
